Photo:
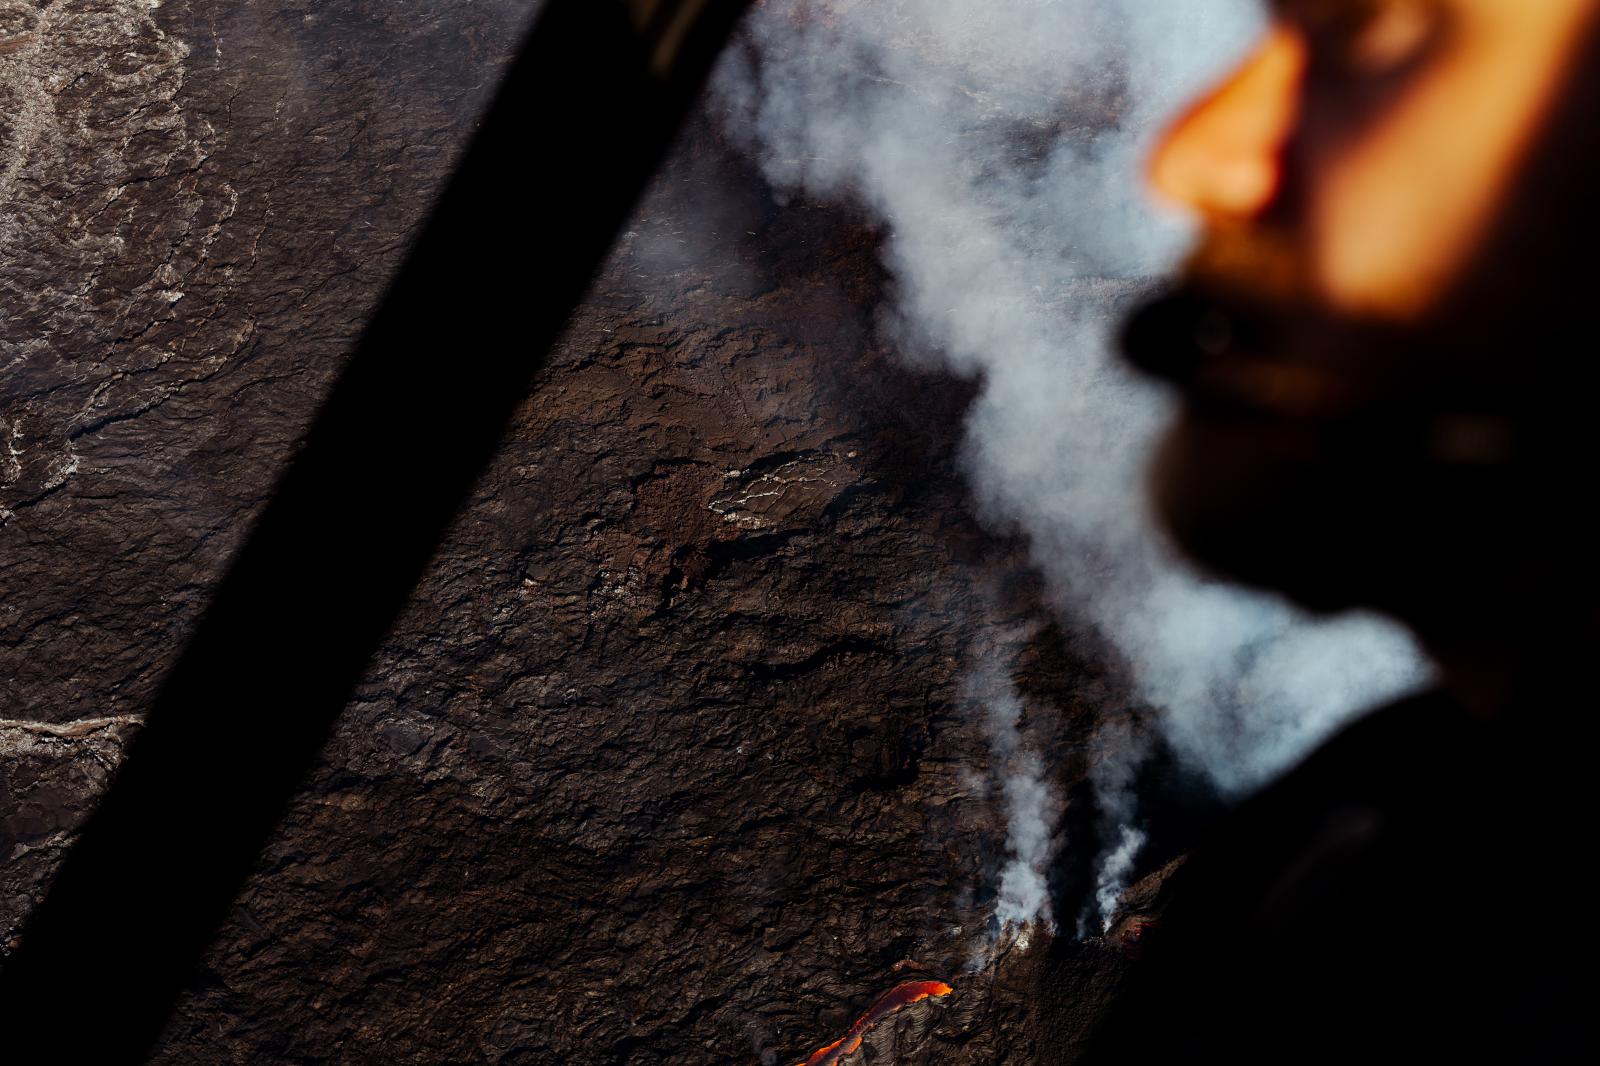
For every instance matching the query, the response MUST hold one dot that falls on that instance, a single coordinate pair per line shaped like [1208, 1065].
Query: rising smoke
[999, 142]
[1031, 806]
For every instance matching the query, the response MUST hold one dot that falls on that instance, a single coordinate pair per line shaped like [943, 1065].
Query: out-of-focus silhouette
[1383, 346]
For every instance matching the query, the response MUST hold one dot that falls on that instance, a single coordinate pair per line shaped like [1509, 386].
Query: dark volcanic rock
[668, 760]
[50, 776]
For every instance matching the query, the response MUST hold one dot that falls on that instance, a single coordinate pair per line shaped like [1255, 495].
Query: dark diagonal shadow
[577, 129]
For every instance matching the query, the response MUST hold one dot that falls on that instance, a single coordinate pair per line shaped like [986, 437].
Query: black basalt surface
[668, 760]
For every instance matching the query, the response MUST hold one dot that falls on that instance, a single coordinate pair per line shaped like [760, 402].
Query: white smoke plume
[1032, 808]
[1115, 868]
[1000, 143]
[1116, 765]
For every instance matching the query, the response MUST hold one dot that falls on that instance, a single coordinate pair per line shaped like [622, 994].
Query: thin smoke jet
[1115, 868]
[1119, 757]
[1031, 805]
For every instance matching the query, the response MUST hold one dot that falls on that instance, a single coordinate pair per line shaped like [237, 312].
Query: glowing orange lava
[891, 1002]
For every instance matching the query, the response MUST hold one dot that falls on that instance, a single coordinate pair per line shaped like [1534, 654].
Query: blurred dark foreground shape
[1383, 346]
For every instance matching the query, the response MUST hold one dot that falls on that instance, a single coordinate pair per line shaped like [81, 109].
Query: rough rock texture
[669, 759]
[50, 776]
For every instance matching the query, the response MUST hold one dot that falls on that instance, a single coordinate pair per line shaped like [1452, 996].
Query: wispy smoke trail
[1118, 758]
[1032, 807]
[999, 141]
[1115, 868]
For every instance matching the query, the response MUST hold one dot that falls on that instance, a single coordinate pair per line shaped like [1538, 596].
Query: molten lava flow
[891, 1002]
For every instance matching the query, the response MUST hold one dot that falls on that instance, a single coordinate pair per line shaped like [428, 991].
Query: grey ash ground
[667, 761]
